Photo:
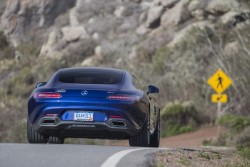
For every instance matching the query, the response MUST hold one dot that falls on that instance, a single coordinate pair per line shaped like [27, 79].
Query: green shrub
[144, 54]
[6, 51]
[222, 140]
[234, 122]
[21, 84]
[243, 143]
[238, 134]
[3, 41]
[245, 152]
[171, 130]
[179, 118]
[28, 55]
[159, 60]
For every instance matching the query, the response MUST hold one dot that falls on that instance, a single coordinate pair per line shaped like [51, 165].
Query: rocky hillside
[175, 44]
[115, 26]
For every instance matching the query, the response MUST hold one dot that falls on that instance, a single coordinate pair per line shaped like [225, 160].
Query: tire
[55, 140]
[33, 136]
[155, 137]
[142, 139]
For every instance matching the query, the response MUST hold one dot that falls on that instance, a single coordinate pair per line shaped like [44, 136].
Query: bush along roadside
[239, 132]
[234, 122]
[177, 118]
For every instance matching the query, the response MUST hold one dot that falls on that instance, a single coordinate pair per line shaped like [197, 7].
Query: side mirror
[153, 89]
[40, 84]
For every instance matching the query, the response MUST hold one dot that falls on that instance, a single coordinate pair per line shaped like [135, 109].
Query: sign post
[219, 81]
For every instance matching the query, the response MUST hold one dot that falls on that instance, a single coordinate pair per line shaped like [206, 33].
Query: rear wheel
[142, 139]
[33, 136]
[56, 140]
[155, 137]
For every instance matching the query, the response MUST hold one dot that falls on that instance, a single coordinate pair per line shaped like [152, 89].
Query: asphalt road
[49, 155]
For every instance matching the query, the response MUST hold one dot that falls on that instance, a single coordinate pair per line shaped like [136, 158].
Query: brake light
[116, 116]
[123, 97]
[50, 95]
[51, 115]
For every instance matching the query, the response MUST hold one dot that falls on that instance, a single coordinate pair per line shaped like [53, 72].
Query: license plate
[83, 116]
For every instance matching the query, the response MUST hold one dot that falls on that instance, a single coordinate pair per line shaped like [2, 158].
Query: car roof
[53, 81]
[91, 68]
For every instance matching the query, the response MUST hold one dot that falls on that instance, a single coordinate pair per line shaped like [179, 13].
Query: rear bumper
[110, 129]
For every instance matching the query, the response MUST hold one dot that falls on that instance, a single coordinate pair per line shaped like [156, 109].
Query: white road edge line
[114, 159]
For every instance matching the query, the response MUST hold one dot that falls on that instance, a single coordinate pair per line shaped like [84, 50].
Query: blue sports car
[93, 103]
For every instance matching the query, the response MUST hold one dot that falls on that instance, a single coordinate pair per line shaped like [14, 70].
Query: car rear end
[87, 103]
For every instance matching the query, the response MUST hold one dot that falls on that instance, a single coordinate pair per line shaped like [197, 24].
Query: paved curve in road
[49, 155]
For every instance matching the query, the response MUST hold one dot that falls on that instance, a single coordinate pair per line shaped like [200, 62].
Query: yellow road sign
[219, 98]
[219, 81]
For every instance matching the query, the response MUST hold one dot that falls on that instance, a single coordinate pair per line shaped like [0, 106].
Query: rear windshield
[100, 76]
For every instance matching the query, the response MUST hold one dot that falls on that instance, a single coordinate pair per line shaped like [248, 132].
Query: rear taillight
[51, 115]
[116, 116]
[123, 97]
[47, 95]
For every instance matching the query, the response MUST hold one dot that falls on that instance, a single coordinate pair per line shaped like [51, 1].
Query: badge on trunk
[84, 93]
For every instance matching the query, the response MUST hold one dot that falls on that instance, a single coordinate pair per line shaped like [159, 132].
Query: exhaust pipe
[118, 123]
[49, 121]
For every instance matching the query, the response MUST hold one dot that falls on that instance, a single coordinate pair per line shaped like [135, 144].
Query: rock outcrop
[23, 20]
[176, 15]
[221, 7]
[168, 3]
[117, 27]
[153, 16]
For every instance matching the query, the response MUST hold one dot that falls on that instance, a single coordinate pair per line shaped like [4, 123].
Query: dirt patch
[191, 140]
[187, 140]
[194, 158]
